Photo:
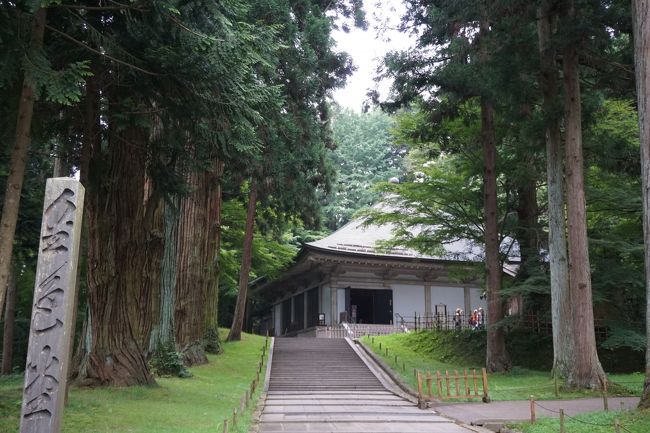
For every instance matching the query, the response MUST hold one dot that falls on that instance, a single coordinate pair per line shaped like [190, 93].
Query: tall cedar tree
[149, 113]
[563, 342]
[19, 158]
[641, 24]
[292, 164]
[458, 33]
[585, 370]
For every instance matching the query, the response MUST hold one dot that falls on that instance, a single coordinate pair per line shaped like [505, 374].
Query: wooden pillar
[427, 299]
[468, 300]
[334, 320]
[53, 310]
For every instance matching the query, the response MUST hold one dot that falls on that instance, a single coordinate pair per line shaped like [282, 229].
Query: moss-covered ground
[194, 405]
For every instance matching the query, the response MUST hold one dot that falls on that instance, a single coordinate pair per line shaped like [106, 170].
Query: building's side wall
[451, 297]
[408, 299]
[475, 299]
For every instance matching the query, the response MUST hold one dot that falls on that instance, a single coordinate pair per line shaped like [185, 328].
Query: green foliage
[167, 362]
[365, 154]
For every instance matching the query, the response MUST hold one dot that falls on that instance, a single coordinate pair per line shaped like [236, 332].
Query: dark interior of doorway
[372, 306]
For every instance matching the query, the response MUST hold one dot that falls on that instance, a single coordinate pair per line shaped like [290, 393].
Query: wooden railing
[453, 386]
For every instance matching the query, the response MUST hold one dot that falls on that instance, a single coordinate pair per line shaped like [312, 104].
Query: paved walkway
[321, 385]
[501, 411]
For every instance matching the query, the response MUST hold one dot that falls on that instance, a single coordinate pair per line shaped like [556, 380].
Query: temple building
[346, 277]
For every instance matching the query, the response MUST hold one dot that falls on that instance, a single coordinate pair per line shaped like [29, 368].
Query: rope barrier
[582, 421]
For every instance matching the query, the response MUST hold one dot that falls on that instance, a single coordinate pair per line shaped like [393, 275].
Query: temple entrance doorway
[371, 306]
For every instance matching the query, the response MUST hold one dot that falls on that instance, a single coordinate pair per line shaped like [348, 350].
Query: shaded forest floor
[194, 405]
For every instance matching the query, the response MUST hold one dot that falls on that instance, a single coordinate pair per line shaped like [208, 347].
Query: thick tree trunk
[124, 255]
[641, 24]
[497, 358]
[212, 342]
[563, 342]
[192, 269]
[247, 254]
[18, 163]
[164, 334]
[8, 329]
[585, 369]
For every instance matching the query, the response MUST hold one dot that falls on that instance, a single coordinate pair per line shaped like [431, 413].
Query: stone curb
[388, 370]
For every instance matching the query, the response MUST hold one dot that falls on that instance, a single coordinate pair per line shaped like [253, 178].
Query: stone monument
[55, 292]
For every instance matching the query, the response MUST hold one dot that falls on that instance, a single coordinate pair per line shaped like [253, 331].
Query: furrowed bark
[585, 370]
[192, 244]
[563, 342]
[124, 255]
[212, 342]
[497, 358]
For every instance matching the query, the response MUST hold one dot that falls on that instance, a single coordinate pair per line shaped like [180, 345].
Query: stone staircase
[321, 385]
[319, 365]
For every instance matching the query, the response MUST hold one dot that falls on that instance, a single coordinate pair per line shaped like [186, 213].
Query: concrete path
[321, 385]
[502, 411]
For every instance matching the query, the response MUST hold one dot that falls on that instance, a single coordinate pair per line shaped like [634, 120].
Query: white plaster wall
[340, 303]
[407, 299]
[475, 299]
[277, 318]
[325, 303]
[452, 297]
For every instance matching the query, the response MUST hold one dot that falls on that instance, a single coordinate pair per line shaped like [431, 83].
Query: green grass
[194, 405]
[431, 351]
[636, 421]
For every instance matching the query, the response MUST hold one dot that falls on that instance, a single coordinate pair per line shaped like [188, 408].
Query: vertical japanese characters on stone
[52, 327]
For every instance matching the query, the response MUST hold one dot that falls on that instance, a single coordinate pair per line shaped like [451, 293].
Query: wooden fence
[467, 385]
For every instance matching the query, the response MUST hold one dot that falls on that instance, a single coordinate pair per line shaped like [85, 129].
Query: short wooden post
[605, 402]
[380, 346]
[562, 421]
[532, 410]
[475, 382]
[396, 364]
[467, 390]
[234, 417]
[557, 387]
[617, 426]
[456, 377]
[439, 384]
[447, 382]
[486, 391]
[419, 376]
[225, 426]
[429, 380]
